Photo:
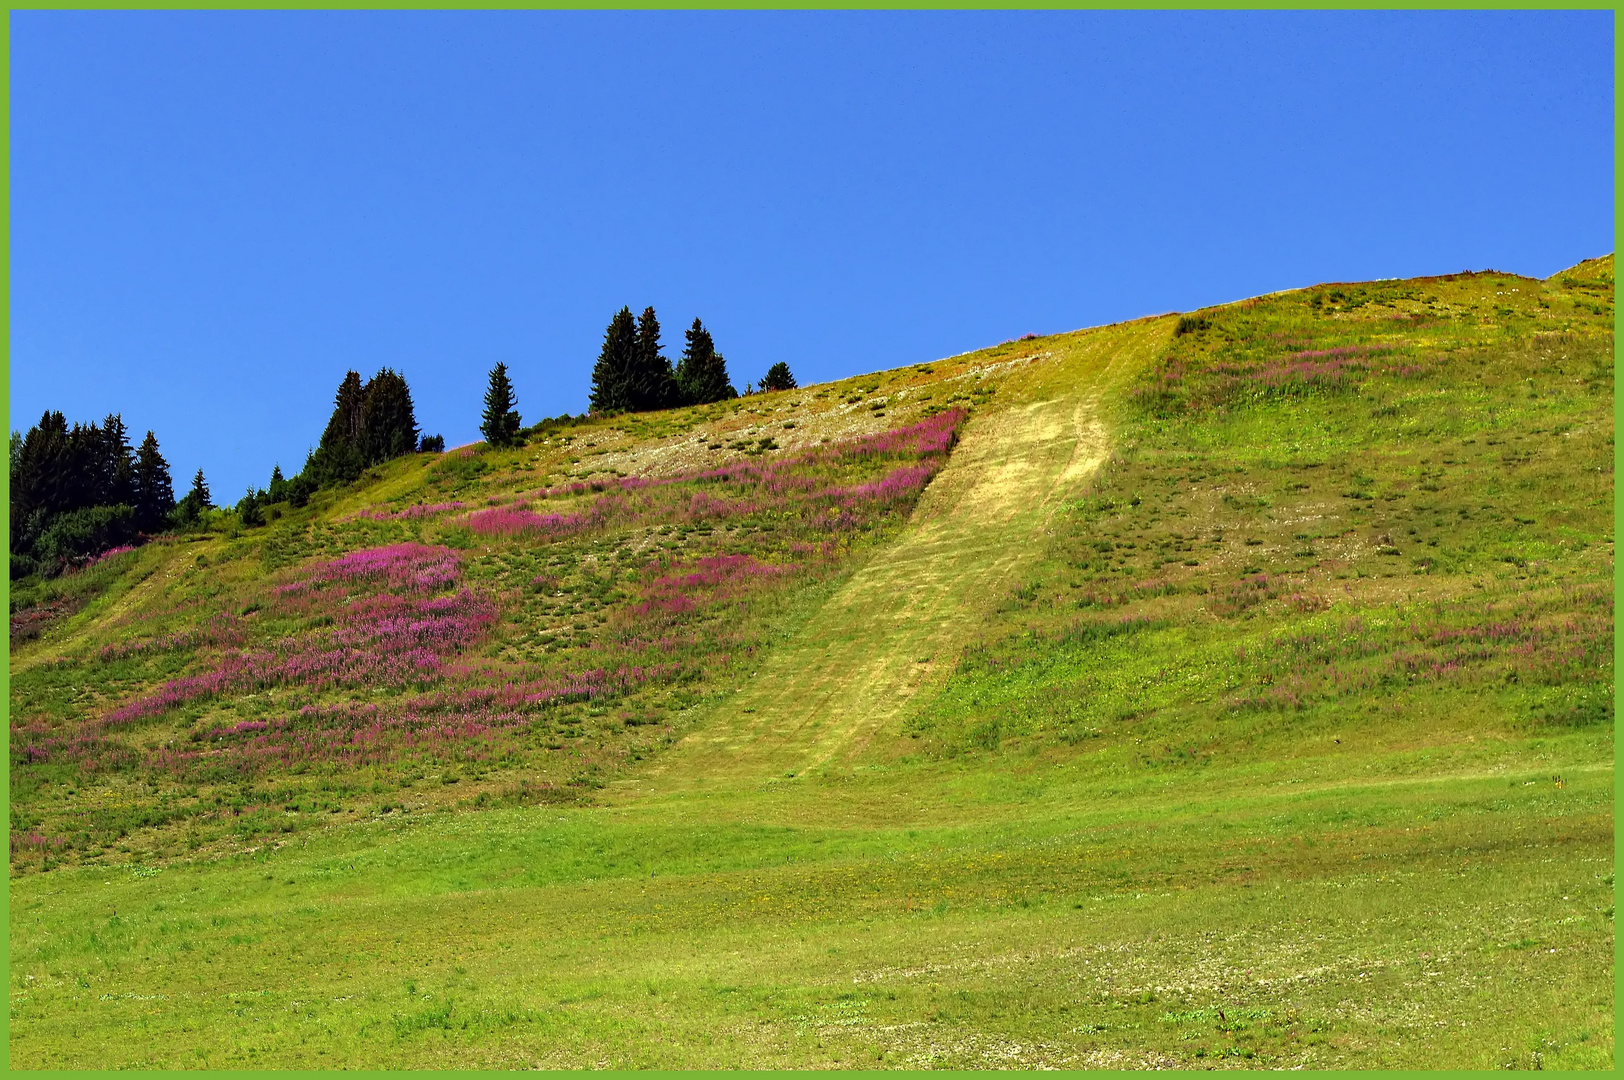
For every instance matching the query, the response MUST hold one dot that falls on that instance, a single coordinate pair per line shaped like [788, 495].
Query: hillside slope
[872, 646]
[1223, 689]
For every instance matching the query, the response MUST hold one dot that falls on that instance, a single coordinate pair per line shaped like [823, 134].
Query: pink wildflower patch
[682, 590]
[385, 638]
[518, 521]
[413, 566]
[934, 435]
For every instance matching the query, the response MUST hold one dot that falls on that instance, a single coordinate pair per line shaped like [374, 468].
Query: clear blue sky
[214, 216]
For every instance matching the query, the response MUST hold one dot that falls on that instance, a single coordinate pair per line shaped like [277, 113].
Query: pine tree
[154, 491]
[341, 454]
[86, 477]
[702, 373]
[39, 471]
[778, 378]
[197, 500]
[388, 424]
[200, 492]
[248, 508]
[118, 464]
[615, 372]
[277, 490]
[500, 422]
[653, 385]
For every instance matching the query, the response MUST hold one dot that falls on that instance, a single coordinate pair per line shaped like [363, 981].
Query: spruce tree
[197, 500]
[118, 464]
[615, 372]
[154, 491]
[500, 422]
[200, 492]
[778, 378]
[39, 473]
[248, 508]
[388, 424]
[653, 386]
[341, 454]
[702, 373]
[86, 476]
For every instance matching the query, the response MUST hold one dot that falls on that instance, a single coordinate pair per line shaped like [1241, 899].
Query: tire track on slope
[897, 625]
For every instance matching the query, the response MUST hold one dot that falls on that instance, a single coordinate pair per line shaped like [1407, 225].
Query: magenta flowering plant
[397, 651]
[806, 485]
[387, 628]
[708, 580]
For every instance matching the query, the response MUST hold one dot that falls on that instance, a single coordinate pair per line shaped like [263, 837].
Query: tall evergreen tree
[39, 475]
[154, 490]
[615, 373]
[117, 471]
[702, 373]
[200, 492]
[500, 421]
[249, 509]
[653, 385]
[197, 500]
[278, 489]
[371, 423]
[86, 476]
[388, 423]
[341, 454]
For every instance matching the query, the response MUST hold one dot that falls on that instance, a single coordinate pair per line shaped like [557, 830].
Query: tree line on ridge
[78, 492]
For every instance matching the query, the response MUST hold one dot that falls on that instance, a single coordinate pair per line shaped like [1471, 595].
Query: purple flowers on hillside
[1219, 372]
[684, 589]
[934, 435]
[389, 634]
[411, 566]
[516, 520]
[368, 657]
[799, 485]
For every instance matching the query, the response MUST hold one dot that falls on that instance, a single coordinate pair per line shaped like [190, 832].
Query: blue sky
[214, 216]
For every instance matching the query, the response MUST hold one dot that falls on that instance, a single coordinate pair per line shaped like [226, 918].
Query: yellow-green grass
[1149, 739]
[936, 916]
[872, 646]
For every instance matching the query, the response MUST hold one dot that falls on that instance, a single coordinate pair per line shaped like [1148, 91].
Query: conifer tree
[341, 454]
[85, 477]
[248, 508]
[197, 500]
[277, 490]
[200, 492]
[154, 491]
[388, 424]
[615, 372]
[778, 378]
[500, 422]
[702, 373]
[117, 465]
[653, 385]
[39, 473]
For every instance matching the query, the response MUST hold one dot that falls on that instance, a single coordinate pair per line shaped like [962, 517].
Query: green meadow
[1230, 689]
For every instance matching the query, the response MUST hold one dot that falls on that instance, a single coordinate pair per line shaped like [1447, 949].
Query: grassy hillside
[1232, 688]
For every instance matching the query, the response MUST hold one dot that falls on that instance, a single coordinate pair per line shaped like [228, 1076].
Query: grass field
[1228, 690]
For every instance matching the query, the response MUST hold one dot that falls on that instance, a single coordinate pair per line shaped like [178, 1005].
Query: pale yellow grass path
[823, 696]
